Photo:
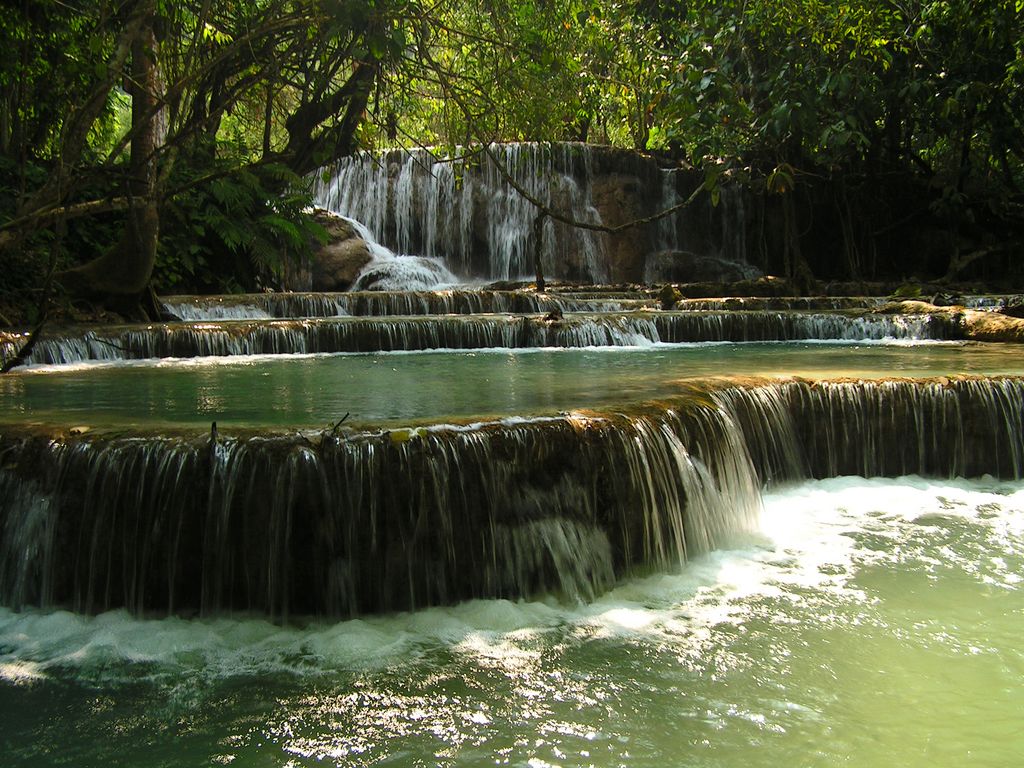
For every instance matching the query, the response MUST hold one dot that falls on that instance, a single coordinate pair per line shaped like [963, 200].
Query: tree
[171, 140]
[854, 93]
[188, 67]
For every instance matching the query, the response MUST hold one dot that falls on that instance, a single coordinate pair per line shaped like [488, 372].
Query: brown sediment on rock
[992, 326]
[972, 324]
[782, 303]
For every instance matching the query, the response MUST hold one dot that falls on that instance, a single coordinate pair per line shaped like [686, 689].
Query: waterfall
[783, 303]
[668, 226]
[482, 331]
[418, 202]
[704, 241]
[373, 522]
[196, 311]
[692, 326]
[377, 521]
[389, 271]
[735, 225]
[452, 301]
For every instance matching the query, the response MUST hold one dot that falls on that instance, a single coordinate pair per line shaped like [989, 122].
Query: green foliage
[255, 94]
[233, 229]
[856, 85]
[23, 270]
[496, 71]
[51, 53]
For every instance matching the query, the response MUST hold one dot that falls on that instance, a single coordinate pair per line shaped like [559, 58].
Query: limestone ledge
[974, 325]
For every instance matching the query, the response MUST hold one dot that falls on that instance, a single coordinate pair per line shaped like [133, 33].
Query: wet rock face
[1014, 307]
[337, 264]
[620, 198]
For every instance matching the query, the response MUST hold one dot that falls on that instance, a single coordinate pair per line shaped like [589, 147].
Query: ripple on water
[873, 622]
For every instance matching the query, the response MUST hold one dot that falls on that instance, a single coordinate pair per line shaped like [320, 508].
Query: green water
[313, 391]
[873, 623]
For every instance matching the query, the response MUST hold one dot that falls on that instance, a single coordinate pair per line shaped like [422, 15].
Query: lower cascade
[346, 523]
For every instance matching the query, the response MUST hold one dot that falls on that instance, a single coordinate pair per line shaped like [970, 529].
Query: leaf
[782, 180]
[282, 227]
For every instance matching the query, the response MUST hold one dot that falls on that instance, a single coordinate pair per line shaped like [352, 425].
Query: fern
[237, 229]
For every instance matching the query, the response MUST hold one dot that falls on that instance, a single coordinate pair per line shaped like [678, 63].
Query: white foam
[809, 542]
[202, 312]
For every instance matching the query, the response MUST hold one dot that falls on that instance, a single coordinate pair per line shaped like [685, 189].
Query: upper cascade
[464, 210]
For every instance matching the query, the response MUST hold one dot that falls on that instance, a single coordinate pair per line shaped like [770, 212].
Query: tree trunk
[80, 121]
[121, 275]
[797, 268]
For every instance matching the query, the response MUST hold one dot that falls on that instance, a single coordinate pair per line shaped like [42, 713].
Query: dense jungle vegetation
[150, 143]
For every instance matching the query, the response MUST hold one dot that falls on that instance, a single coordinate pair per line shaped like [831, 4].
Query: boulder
[337, 264]
[669, 296]
[1013, 306]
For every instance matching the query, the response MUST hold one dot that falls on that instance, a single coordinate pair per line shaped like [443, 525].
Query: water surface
[873, 622]
[311, 391]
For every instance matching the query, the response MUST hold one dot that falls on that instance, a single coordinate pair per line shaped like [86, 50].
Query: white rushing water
[390, 271]
[421, 203]
[872, 622]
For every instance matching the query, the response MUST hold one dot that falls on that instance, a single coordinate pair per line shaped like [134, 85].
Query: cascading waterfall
[376, 334]
[377, 303]
[783, 303]
[668, 226]
[962, 427]
[371, 522]
[420, 203]
[735, 226]
[392, 520]
[716, 232]
[389, 271]
[676, 327]
[371, 334]
[198, 311]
